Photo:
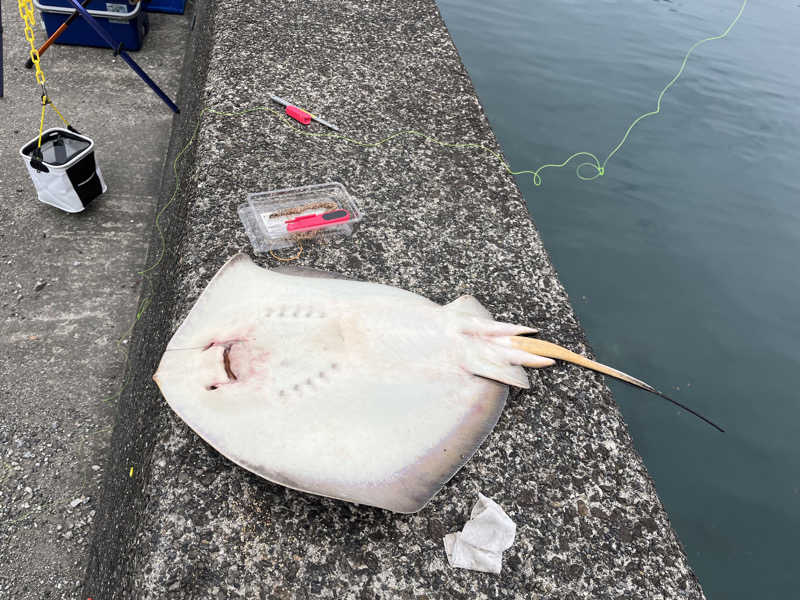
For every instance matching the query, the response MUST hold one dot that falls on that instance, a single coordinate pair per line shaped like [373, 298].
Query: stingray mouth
[226, 364]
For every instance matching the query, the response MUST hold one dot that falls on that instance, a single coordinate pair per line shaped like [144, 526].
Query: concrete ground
[68, 291]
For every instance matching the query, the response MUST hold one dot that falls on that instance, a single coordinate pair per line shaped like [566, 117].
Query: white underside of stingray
[353, 390]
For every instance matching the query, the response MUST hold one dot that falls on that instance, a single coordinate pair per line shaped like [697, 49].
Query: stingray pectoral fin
[548, 349]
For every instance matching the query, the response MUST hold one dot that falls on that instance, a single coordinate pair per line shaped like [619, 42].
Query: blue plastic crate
[176, 7]
[126, 23]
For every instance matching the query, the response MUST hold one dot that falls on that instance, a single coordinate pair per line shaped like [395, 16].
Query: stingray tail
[549, 350]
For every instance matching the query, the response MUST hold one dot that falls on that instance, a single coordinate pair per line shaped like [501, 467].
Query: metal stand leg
[118, 49]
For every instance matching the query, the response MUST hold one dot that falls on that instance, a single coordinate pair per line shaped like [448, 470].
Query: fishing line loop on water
[600, 168]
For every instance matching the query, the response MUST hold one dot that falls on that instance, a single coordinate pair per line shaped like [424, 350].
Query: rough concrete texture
[68, 291]
[439, 222]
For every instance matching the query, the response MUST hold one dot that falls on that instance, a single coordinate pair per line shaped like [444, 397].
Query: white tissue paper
[480, 544]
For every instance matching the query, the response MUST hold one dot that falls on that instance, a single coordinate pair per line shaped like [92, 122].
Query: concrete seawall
[188, 523]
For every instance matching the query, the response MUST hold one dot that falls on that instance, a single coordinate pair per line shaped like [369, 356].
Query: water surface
[681, 261]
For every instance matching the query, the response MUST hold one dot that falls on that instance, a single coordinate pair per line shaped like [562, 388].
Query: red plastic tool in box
[315, 221]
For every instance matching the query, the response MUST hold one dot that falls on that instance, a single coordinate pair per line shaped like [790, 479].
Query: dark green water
[682, 261]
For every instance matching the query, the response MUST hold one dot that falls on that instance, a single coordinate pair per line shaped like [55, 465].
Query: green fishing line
[594, 163]
[600, 168]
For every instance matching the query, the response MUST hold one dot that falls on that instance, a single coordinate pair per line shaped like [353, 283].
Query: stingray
[358, 391]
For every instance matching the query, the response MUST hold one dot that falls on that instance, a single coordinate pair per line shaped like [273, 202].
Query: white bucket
[67, 176]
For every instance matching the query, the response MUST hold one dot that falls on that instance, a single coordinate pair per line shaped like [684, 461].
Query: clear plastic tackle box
[282, 218]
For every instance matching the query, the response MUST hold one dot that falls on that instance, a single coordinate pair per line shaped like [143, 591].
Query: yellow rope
[41, 121]
[60, 116]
